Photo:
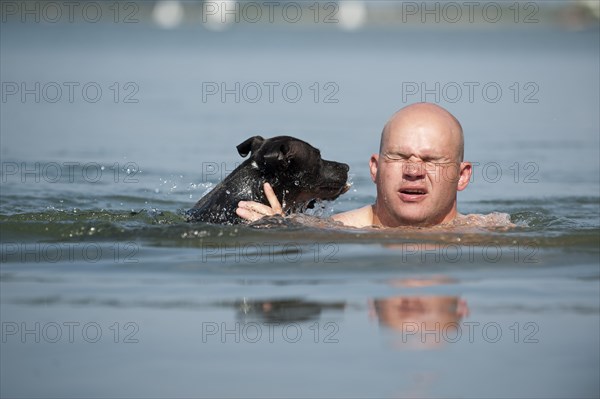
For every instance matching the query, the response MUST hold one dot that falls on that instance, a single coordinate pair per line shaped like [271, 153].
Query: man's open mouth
[413, 191]
[412, 194]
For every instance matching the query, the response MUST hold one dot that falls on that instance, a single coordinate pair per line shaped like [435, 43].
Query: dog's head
[296, 169]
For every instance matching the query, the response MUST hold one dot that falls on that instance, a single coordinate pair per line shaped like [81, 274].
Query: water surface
[107, 292]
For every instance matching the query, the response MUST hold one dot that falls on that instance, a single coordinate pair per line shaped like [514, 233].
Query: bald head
[415, 117]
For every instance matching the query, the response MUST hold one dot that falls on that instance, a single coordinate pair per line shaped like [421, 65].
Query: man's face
[418, 171]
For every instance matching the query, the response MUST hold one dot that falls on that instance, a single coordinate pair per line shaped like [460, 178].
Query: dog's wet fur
[294, 168]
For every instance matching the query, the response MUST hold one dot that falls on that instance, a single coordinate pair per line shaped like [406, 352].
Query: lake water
[107, 292]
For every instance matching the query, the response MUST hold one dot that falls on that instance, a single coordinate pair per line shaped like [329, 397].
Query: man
[418, 172]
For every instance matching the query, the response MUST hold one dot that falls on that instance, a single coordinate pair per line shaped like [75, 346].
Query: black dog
[294, 169]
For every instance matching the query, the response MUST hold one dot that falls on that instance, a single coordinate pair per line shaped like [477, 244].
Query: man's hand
[252, 211]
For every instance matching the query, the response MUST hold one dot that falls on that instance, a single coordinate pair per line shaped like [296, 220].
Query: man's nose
[413, 169]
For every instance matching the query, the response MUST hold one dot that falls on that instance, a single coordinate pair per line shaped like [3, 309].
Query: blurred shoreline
[350, 15]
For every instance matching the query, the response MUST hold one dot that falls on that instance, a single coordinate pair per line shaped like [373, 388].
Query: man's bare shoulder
[361, 217]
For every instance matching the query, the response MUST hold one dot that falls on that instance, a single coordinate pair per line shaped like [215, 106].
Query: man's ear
[277, 155]
[373, 165]
[465, 175]
[250, 145]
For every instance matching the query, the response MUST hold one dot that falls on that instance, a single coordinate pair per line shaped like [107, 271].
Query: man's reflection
[422, 321]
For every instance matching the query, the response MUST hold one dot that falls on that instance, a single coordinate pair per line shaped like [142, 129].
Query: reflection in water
[421, 321]
[283, 310]
[424, 321]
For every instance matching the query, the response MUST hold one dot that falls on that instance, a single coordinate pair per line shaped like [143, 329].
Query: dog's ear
[277, 155]
[250, 145]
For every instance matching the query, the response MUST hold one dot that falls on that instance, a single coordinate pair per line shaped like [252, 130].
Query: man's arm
[253, 211]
